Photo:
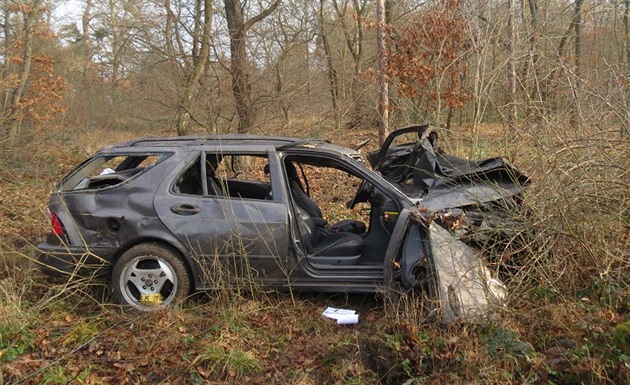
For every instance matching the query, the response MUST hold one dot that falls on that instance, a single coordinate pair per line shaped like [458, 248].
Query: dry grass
[565, 302]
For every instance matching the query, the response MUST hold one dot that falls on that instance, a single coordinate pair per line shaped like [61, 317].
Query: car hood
[427, 175]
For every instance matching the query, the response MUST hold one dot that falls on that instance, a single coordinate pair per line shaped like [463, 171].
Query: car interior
[347, 242]
[226, 176]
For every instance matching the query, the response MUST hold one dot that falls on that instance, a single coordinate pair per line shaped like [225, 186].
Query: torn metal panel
[465, 288]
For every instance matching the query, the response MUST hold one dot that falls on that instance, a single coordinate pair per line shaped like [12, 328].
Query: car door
[422, 255]
[233, 235]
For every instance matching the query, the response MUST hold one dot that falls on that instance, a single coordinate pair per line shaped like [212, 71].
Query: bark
[330, 67]
[576, 117]
[168, 36]
[279, 88]
[85, 40]
[626, 29]
[85, 29]
[625, 126]
[533, 50]
[241, 87]
[383, 90]
[511, 67]
[14, 120]
[199, 59]
[7, 44]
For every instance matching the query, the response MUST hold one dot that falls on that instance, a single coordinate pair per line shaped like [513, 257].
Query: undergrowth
[566, 321]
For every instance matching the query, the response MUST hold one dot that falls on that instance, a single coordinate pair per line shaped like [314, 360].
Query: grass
[566, 322]
[228, 361]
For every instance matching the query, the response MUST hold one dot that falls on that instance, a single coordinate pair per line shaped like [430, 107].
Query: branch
[249, 23]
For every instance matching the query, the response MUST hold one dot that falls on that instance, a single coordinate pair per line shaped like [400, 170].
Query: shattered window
[108, 170]
[227, 176]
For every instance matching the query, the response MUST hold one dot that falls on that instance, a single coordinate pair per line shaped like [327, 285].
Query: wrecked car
[482, 201]
[161, 218]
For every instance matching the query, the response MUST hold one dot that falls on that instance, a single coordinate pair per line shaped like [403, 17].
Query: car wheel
[149, 277]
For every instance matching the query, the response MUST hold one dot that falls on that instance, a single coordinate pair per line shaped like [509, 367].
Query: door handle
[185, 209]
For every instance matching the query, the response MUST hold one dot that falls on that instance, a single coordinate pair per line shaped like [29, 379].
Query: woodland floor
[72, 333]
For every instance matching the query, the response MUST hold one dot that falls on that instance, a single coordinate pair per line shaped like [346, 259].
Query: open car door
[422, 255]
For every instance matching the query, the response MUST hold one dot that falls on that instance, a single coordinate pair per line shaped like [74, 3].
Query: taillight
[57, 227]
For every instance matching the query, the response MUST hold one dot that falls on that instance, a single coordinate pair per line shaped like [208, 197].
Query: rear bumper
[71, 261]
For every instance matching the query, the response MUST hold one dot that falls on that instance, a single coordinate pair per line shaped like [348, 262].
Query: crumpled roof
[422, 168]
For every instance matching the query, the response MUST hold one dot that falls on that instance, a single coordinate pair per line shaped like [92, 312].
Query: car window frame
[277, 193]
[162, 156]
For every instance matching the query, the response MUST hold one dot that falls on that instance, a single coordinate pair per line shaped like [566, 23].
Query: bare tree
[485, 32]
[625, 129]
[383, 89]
[84, 39]
[576, 21]
[200, 51]
[352, 23]
[11, 119]
[291, 29]
[532, 64]
[511, 66]
[333, 81]
[241, 87]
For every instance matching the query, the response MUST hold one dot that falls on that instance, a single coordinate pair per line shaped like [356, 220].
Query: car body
[488, 192]
[162, 217]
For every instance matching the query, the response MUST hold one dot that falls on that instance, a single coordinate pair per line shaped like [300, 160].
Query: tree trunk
[279, 87]
[625, 126]
[240, 81]
[6, 29]
[85, 39]
[330, 68]
[576, 115]
[534, 55]
[354, 41]
[5, 103]
[383, 89]
[241, 88]
[199, 59]
[511, 67]
[15, 120]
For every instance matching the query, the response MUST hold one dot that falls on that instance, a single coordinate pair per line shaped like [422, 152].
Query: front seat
[327, 248]
[310, 207]
[322, 245]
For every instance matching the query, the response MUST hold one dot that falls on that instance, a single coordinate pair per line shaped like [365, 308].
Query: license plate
[151, 298]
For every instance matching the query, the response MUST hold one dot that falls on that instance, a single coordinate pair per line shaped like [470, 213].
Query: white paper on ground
[343, 316]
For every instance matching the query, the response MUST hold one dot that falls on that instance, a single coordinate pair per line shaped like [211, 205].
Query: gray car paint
[108, 221]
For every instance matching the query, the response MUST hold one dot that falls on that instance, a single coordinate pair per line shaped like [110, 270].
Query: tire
[149, 277]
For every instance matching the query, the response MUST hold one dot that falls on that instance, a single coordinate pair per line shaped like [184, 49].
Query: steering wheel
[359, 196]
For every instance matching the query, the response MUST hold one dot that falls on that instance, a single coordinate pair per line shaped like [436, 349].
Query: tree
[625, 126]
[31, 91]
[511, 67]
[352, 25]
[238, 27]
[426, 59]
[331, 72]
[199, 55]
[289, 32]
[576, 21]
[383, 85]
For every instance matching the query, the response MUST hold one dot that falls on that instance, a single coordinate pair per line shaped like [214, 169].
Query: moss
[621, 338]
